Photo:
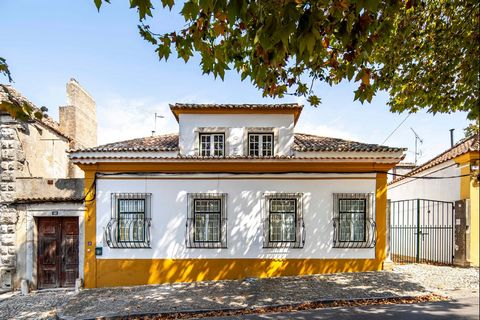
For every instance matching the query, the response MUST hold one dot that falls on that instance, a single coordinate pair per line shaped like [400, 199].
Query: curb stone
[194, 312]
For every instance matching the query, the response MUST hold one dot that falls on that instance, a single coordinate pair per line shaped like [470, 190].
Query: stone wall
[79, 118]
[11, 159]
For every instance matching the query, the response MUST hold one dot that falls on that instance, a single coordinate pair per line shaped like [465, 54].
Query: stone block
[6, 197]
[7, 154]
[7, 176]
[7, 133]
[8, 217]
[8, 260]
[7, 239]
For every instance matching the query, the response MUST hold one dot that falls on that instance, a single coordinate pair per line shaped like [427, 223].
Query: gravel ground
[404, 280]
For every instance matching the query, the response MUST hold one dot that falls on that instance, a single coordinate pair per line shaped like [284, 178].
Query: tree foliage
[424, 53]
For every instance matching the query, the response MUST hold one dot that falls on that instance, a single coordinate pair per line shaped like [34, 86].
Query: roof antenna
[451, 137]
[417, 138]
[155, 128]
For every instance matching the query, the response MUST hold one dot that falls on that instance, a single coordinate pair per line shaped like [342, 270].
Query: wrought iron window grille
[130, 222]
[280, 238]
[213, 235]
[353, 222]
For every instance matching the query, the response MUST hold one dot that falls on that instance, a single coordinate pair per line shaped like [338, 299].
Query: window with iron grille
[354, 226]
[260, 144]
[206, 225]
[212, 144]
[284, 225]
[129, 225]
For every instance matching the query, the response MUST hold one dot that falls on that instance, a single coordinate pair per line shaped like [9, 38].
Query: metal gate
[422, 231]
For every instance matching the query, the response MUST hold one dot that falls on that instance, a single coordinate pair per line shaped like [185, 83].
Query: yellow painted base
[128, 272]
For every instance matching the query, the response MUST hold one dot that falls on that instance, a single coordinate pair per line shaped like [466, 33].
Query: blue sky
[48, 42]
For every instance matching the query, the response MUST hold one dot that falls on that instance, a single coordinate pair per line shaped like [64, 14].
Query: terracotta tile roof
[307, 142]
[167, 142]
[10, 94]
[239, 157]
[302, 143]
[466, 145]
[291, 108]
[250, 106]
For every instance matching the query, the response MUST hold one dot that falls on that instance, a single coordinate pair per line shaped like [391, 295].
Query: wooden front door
[57, 258]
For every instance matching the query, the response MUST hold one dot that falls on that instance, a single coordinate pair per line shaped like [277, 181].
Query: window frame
[212, 143]
[369, 226]
[112, 230]
[120, 219]
[300, 233]
[352, 225]
[190, 237]
[260, 143]
[198, 213]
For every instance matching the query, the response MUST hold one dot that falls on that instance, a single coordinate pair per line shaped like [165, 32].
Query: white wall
[244, 214]
[441, 189]
[235, 125]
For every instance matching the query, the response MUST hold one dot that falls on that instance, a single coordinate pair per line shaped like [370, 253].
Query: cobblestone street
[406, 280]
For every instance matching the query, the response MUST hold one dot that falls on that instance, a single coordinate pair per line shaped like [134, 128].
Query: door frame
[51, 210]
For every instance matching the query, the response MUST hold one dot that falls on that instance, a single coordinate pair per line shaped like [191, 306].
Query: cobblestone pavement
[36, 305]
[407, 280]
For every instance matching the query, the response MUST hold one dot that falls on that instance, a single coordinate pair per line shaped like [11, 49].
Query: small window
[207, 223]
[353, 223]
[283, 222]
[260, 144]
[129, 226]
[212, 144]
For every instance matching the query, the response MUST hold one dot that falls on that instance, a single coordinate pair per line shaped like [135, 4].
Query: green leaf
[98, 4]
[314, 100]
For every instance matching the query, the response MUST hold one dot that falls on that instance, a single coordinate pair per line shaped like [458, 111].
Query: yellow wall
[116, 272]
[469, 190]
[122, 272]
[475, 223]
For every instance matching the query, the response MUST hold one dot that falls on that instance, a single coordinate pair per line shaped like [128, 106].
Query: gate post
[388, 263]
[461, 240]
[417, 256]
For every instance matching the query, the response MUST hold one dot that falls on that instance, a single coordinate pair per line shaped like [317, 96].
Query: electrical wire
[408, 115]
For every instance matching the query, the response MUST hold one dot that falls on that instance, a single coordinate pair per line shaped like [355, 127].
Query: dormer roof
[208, 108]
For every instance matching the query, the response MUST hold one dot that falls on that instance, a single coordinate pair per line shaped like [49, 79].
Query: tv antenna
[154, 131]
[417, 139]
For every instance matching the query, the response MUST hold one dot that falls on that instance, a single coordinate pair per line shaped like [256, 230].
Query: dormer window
[212, 144]
[260, 144]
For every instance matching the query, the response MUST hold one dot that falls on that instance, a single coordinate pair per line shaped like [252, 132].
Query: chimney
[451, 137]
[79, 118]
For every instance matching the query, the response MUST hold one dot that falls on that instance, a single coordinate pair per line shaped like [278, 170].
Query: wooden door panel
[69, 271]
[48, 252]
[57, 252]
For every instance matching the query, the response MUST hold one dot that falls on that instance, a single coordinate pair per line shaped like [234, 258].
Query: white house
[236, 193]
[451, 177]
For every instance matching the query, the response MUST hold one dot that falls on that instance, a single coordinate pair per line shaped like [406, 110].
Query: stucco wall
[244, 214]
[441, 189]
[235, 127]
[44, 152]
